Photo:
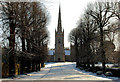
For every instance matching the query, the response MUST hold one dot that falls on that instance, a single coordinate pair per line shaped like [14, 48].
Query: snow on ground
[63, 71]
[100, 64]
[98, 76]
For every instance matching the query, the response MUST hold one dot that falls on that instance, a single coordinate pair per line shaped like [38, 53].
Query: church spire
[59, 27]
[59, 40]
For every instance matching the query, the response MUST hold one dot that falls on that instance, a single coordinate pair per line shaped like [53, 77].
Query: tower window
[59, 41]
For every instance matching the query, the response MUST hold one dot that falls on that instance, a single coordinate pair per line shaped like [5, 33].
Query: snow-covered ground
[63, 71]
[107, 65]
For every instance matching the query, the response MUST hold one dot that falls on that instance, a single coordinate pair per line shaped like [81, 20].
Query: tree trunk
[42, 64]
[102, 50]
[11, 45]
[33, 65]
[93, 65]
[28, 45]
[22, 58]
[23, 42]
[36, 67]
[22, 65]
[28, 66]
[28, 50]
[39, 67]
[76, 53]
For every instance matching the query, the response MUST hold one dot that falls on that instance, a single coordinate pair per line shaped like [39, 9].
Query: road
[60, 71]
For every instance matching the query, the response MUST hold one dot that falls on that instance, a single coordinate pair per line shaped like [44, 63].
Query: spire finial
[59, 6]
[59, 28]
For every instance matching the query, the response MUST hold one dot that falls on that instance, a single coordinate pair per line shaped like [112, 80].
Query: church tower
[59, 40]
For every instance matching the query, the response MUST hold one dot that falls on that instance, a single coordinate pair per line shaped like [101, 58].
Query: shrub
[86, 70]
[90, 69]
[81, 68]
[99, 72]
[108, 73]
[94, 70]
[114, 71]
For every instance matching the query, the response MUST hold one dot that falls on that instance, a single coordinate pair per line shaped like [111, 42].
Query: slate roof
[51, 52]
[67, 52]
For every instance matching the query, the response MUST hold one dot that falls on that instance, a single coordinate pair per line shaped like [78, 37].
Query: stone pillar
[0, 62]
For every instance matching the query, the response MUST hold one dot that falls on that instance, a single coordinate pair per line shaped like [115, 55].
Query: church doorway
[58, 59]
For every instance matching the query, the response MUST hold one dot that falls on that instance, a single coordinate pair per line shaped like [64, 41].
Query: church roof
[51, 52]
[67, 52]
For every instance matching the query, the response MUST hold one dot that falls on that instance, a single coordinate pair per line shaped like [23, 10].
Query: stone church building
[59, 40]
[59, 54]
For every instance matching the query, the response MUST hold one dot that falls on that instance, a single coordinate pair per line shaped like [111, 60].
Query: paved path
[60, 71]
[67, 71]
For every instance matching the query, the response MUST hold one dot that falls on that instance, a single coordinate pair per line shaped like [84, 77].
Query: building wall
[59, 47]
[68, 56]
[59, 40]
[51, 58]
[59, 44]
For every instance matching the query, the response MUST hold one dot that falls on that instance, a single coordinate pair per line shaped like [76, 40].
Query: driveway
[59, 71]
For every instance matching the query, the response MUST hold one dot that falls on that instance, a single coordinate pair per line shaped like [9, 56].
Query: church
[59, 40]
[59, 54]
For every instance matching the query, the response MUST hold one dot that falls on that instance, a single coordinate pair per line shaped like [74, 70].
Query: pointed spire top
[59, 10]
[59, 7]
[59, 28]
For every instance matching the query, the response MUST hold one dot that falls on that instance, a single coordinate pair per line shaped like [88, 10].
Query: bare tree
[28, 21]
[101, 13]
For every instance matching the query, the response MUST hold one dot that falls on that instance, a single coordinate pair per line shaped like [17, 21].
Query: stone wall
[67, 58]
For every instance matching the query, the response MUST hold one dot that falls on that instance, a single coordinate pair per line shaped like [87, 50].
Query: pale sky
[71, 10]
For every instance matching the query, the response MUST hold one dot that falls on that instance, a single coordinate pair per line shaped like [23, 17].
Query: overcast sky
[71, 11]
